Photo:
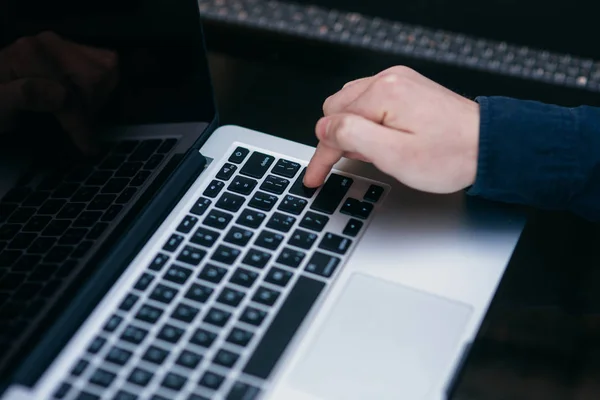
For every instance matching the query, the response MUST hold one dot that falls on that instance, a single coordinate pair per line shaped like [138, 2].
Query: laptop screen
[123, 61]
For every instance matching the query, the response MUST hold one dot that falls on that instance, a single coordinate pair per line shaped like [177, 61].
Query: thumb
[30, 94]
[354, 134]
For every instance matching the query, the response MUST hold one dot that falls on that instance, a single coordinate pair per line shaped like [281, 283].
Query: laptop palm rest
[382, 340]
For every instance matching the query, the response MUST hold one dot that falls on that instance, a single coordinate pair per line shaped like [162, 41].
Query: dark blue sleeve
[539, 155]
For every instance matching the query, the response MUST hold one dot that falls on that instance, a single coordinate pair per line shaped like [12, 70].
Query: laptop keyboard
[48, 223]
[212, 313]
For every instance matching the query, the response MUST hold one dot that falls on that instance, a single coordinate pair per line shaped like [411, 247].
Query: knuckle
[47, 36]
[26, 45]
[402, 70]
[343, 128]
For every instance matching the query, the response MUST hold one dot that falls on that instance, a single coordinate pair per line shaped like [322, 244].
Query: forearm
[540, 155]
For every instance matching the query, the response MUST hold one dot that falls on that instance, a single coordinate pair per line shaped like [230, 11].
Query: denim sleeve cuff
[529, 153]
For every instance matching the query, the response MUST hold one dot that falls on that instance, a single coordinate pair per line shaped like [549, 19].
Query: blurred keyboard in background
[413, 42]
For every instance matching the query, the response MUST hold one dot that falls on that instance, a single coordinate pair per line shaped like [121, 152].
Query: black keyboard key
[51, 207]
[79, 367]
[285, 324]
[205, 237]
[162, 293]
[203, 338]
[87, 396]
[112, 162]
[226, 358]
[230, 202]
[238, 155]
[145, 150]
[185, 313]
[226, 172]
[191, 255]
[274, 184]
[266, 296]
[126, 195]
[290, 257]
[96, 345]
[335, 243]
[65, 191]
[243, 391]
[153, 162]
[133, 334]
[257, 258]
[313, 221]
[62, 390]
[213, 189]
[217, 219]
[373, 194]
[128, 169]
[199, 293]
[303, 239]
[262, 201]
[240, 337]
[82, 249]
[85, 194]
[140, 377]
[212, 273]
[243, 277]
[322, 264]
[16, 195]
[188, 359]
[251, 218]
[50, 181]
[173, 381]
[115, 185]
[352, 227]
[8, 231]
[177, 274]
[286, 168]
[102, 377]
[332, 193]
[101, 202]
[79, 174]
[140, 178]
[22, 241]
[118, 356]
[21, 215]
[257, 165]
[281, 222]
[166, 146]
[293, 205]
[123, 395]
[56, 228]
[253, 316]
[73, 236]
[216, 316]
[211, 380]
[242, 185]
[5, 211]
[36, 199]
[155, 355]
[225, 254]
[230, 297]
[278, 276]
[299, 189]
[159, 261]
[201, 206]
[129, 301]
[87, 219]
[170, 333]
[363, 210]
[11, 280]
[111, 213]
[187, 224]
[269, 240]
[350, 206]
[99, 178]
[112, 323]
[238, 236]
[144, 281]
[173, 243]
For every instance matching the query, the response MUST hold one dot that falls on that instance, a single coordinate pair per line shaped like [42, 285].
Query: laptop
[188, 261]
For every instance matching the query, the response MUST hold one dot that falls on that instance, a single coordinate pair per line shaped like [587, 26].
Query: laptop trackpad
[381, 341]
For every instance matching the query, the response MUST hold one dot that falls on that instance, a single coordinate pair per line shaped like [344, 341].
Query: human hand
[411, 128]
[46, 73]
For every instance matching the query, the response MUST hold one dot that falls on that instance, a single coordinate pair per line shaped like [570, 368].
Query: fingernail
[323, 127]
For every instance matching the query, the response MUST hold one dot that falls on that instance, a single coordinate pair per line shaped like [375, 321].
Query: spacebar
[284, 326]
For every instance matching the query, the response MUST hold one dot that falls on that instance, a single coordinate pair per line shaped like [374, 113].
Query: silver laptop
[220, 276]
